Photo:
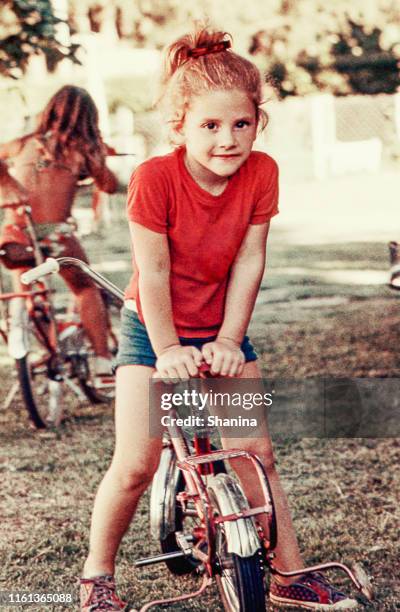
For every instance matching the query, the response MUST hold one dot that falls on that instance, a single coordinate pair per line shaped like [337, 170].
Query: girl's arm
[105, 179]
[12, 148]
[151, 254]
[11, 191]
[244, 282]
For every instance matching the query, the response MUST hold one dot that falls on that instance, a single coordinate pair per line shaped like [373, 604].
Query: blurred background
[331, 71]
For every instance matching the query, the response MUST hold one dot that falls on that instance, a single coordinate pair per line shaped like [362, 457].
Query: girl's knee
[265, 454]
[83, 288]
[134, 476]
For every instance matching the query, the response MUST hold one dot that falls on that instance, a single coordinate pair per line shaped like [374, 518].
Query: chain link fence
[362, 117]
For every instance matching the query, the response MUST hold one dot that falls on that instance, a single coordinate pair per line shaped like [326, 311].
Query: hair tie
[215, 48]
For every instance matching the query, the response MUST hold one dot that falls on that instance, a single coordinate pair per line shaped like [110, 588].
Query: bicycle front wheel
[240, 577]
[40, 394]
[168, 516]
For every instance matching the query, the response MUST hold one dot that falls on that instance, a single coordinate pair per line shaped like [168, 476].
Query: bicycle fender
[17, 343]
[162, 496]
[241, 535]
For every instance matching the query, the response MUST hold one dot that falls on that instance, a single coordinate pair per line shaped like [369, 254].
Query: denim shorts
[135, 347]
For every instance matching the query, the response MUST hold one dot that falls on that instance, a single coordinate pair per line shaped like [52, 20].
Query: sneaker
[103, 373]
[313, 592]
[99, 594]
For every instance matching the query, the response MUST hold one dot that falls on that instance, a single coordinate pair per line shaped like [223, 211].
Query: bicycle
[201, 516]
[50, 348]
[203, 522]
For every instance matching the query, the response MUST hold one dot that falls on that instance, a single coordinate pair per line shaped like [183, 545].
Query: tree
[30, 28]
[337, 48]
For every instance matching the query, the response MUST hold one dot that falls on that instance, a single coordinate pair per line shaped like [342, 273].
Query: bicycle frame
[38, 294]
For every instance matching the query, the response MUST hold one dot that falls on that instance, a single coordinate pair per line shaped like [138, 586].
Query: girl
[199, 220]
[66, 146]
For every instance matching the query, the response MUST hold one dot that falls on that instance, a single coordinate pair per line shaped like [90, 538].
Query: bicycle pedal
[183, 543]
[159, 558]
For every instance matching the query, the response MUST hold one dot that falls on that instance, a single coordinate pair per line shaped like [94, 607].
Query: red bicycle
[52, 353]
[202, 519]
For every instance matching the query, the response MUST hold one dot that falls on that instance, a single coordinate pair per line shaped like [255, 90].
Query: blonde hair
[200, 62]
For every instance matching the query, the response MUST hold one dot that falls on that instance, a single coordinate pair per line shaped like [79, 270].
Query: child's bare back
[51, 181]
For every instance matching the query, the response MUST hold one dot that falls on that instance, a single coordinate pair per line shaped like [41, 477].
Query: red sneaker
[313, 592]
[99, 594]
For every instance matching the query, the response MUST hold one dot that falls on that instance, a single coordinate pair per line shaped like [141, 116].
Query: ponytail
[200, 62]
[191, 46]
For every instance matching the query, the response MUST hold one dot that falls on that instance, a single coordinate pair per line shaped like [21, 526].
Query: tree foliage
[306, 46]
[30, 28]
[313, 47]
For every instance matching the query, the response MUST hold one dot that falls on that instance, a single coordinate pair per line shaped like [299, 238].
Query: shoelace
[334, 593]
[102, 595]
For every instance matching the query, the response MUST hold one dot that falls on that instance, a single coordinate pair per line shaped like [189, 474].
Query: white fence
[320, 136]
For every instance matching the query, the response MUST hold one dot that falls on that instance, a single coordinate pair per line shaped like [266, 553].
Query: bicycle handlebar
[53, 265]
[50, 265]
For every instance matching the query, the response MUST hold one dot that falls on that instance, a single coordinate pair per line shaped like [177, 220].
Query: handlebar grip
[50, 265]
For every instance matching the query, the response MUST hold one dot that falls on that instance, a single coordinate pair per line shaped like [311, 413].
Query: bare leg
[94, 319]
[91, 306]
[287, 551]
[135, 460]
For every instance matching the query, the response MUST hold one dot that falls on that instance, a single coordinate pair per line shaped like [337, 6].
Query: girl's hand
[179, 362]
[224, 357]
[109, 150]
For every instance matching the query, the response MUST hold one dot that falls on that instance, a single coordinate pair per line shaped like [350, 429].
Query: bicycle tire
[28, 397]
[182, 565]
[241, 580]
[93, 394]
[39, 384]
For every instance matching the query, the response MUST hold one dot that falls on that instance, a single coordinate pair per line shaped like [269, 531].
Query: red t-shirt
[204, 231]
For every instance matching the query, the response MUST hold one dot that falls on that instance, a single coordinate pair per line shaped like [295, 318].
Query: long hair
[186, 73]
[72, 118]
